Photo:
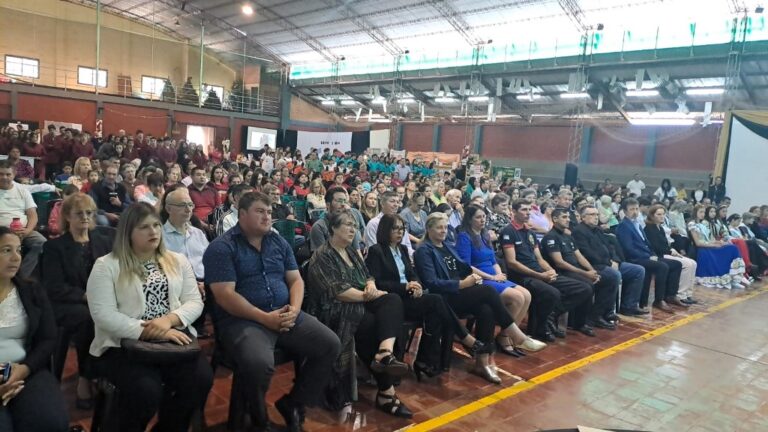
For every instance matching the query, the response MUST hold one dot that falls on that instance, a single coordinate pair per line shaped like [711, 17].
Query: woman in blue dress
[719, 263]
[474, 246]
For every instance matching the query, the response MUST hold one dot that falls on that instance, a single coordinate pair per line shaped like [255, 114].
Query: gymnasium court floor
[704, 370]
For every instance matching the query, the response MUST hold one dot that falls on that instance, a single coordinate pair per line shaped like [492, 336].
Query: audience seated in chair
[31, 399]
[258, 291]
[20, 215]
[143, 291]
[366, 320]
[66, 266]
[443, 272]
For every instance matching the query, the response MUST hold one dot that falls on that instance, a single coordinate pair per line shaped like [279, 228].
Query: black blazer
[65, 274]
[657, 239]
[381, 265]
[41, 332]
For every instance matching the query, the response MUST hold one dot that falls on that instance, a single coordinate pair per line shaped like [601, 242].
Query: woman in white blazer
[143, 291]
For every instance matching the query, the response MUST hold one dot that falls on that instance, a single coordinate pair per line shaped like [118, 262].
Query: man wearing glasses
[390, 204]
[258, 291]
[336, 201]
[604, 257]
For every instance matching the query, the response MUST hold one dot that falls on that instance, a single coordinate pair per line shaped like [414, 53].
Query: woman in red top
[215, 154]
[31, 148]
[199, 158]
[219, 181]
[301, 186]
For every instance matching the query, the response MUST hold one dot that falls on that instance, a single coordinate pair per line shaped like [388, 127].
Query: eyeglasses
[85, 213]
[341, 201]
[189, 205]
[349, 224]
[398, 228]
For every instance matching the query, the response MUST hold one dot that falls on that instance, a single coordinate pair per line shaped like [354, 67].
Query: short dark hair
[498, 199]
[387, 195]
[385, 228]
[628, 202]
[195, 169]
[333, 191]
[155, 179]
[519, 203]
[6, 164]
[559, 211]
[643, 201]
[251, 197]
[237, 190]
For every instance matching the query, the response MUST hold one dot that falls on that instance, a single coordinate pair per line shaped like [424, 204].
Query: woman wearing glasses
[344, 296]
[67, 262]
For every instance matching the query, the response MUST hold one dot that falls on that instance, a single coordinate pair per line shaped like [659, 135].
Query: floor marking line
[522, 386]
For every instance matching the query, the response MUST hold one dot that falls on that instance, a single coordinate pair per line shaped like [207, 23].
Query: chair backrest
[287, 229]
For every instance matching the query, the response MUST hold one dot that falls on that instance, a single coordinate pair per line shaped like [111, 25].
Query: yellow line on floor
[522, 386]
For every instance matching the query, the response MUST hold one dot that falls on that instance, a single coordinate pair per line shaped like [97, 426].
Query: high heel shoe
[394, 407]
[508, 350]
[420, 368]
[487, 373]
[478, 348]
[389, 365]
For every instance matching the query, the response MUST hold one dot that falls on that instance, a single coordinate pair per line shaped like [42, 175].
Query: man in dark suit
[717, 190]
[636, 249]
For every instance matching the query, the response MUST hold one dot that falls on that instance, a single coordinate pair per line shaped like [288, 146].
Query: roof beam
[456, 21]
[356, 98]
[574, 12]
[377, 35]
[417, 94]
[295, 30]
[609, 98]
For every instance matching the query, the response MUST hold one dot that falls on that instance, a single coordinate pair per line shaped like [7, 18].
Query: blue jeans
[632, 276]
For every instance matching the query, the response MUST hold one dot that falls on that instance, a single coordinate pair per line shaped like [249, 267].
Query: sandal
[394, 406]
[389, 365]
[509, 349]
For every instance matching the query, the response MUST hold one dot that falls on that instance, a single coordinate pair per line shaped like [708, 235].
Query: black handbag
[160, 352]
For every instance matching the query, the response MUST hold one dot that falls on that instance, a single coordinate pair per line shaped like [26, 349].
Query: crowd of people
[153, 235]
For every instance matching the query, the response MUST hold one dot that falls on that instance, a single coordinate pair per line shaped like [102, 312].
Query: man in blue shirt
[258, 290]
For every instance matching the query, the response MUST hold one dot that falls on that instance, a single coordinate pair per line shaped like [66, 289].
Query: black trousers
[437, 325]
[667, 274]
[383, 319]
[562, 295]
[51, 170]
[40, 407]
[604, 299]
[252, 346]
[484, 303]
[757, 256]
[75, 319]
[174, 391]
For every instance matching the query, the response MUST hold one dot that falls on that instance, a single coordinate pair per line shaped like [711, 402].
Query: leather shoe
[632, 311]
[676, 302]
[587, 331]
[292, 414]
[611, 317]
[546, 337]
[555, 330]
[603, 324]
[663, 306]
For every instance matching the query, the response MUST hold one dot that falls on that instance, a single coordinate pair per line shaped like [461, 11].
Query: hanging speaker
[571, 174]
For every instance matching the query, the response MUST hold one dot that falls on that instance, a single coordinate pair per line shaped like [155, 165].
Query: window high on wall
[22, 66]
[152, 85]
[87, 76]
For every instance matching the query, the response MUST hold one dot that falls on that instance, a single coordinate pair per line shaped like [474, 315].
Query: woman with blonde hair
[67, 262]
[316, 199]
[80, 172]
[141, 291]
[369, 207]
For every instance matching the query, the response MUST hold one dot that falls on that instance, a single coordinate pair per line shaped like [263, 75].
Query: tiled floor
[709, 375]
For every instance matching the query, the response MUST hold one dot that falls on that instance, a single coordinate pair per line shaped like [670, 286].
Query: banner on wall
[58, 124]
[306, 141]
[502, 173]
[397, 154]
[444, 161]
[29, 159]
[379, 141]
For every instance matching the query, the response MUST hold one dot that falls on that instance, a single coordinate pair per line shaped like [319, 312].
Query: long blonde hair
[79, 167]
[130, 265]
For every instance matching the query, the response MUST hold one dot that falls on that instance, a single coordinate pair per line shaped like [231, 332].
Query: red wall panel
[532, 143]
[453, 138]
[417, 137]
[153, 121]
[201, 119]
[619, 145]
[5, 98]
[5, 105]
[687, 148]
[41, 108]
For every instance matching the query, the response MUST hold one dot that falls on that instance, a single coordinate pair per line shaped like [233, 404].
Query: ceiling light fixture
[642, 93]
[328, 102]
[349, 102]
[528, 97]
[574, 95]
[247, 9]
[444, 100]
[478, 98]
[704, 91]
[407, 101]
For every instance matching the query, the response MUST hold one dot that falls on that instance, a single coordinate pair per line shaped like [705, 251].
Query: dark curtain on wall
[360, 141]
[289, 140]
